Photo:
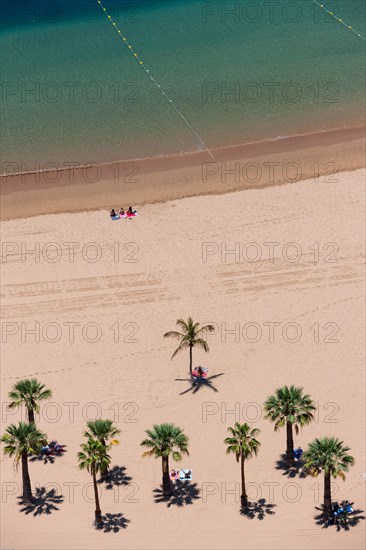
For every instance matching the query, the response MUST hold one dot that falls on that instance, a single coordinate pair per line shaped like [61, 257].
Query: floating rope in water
[332, 14]
[147, 71]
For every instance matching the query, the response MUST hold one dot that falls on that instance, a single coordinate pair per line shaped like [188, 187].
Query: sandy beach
[316, 156]
[277, 270]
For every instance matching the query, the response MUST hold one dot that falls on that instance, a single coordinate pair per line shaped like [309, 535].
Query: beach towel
[196, 374]
[125, 215]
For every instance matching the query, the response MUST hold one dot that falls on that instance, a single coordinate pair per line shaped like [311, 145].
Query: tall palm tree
[105, 432]
[20, 441]
[94, 459]
[330, 455]
[244, 445]
[165, 440]
[190, 336]
[289, 407]
[29, 393]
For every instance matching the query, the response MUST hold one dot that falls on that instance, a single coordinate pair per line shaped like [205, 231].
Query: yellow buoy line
[147, 71]
[339, 19]
[165, 95]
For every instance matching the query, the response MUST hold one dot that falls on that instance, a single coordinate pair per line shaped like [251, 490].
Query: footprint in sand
[156, 394]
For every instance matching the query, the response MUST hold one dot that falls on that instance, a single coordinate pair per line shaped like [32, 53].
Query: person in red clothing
[200, 372]
[131, 212]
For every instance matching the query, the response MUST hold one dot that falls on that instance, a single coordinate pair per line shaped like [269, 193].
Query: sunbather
[342, 514]
[298, 453]
[199, 373]
[45, 450]
[185, 475]
[113, 213]
[56, 447]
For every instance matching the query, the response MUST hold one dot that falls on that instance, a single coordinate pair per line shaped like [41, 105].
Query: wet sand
[254, 166]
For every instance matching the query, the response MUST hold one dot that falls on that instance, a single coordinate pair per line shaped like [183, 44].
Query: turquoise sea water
[239, 71]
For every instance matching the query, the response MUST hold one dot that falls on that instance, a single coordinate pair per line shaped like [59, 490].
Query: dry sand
[315, 300]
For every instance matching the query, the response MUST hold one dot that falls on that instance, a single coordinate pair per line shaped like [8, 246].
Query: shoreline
[350, 133]
[159, 179]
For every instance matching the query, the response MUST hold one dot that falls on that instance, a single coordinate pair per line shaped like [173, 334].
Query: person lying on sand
[56, 447]
[298, 453]
[185, 475]
[45, 450]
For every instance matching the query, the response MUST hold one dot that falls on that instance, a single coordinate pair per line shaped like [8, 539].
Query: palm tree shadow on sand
[48, 459]
[196, 385]
[113, 523]
[353, 520]
[184, 493]
[290, 470]
[116, 477]
[44, 502]
[258, 510]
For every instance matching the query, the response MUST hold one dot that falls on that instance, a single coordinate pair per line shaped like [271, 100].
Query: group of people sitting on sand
[199, 373]
[341, 513]
[182, 475]
[52, 448]
[122, 213]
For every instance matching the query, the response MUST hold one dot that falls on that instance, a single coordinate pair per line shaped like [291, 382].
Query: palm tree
[29, 392]
[105, 432]
[289, 407]
[329, 455]
[243, 444]
[165, 440]
[21, 441]
[94, 459]
[190, 336]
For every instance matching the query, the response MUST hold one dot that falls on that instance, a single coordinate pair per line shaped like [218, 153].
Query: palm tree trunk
[30, 416]
[244, 496]
[98, 512]
[167, 485]
[27, 488]
[190, 359]
[290, 443]
[105, 471]
[327, 496]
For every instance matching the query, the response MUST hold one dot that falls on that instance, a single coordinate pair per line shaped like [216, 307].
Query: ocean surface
[236, 72]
